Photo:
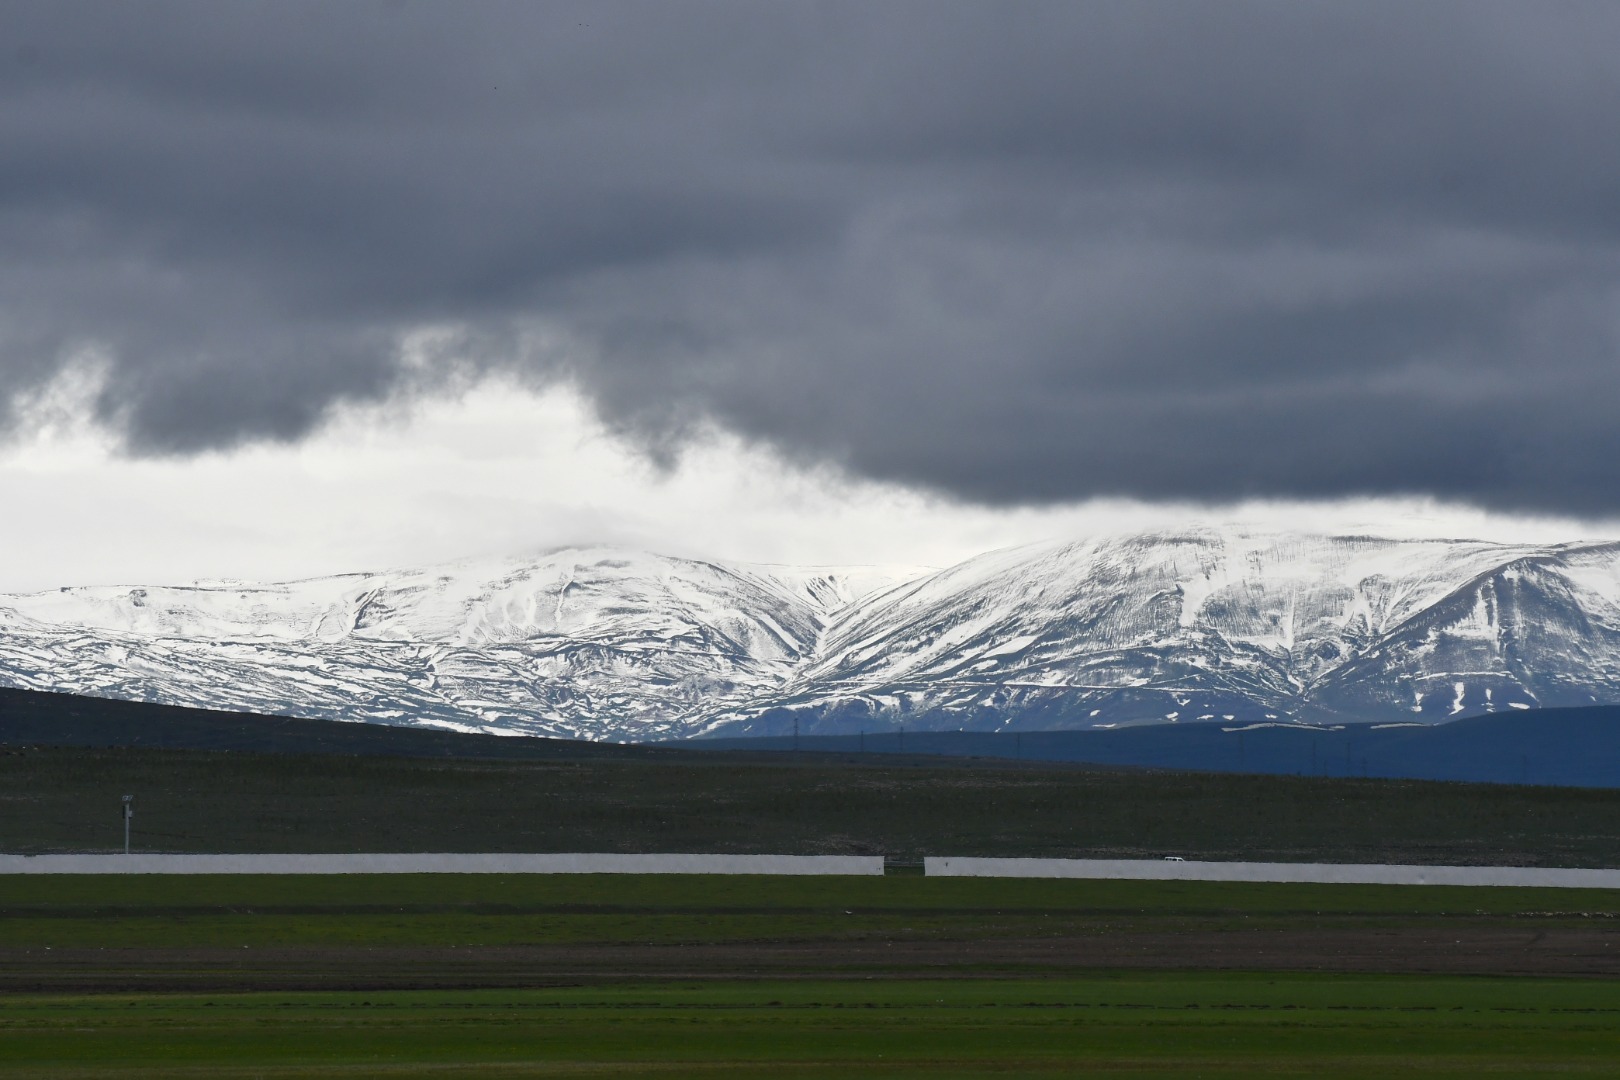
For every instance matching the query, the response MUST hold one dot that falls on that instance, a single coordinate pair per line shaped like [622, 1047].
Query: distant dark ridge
[1567, 747]
[34, 718]
[30, 718]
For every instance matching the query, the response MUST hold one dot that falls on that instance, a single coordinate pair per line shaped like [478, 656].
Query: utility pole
[129, 812]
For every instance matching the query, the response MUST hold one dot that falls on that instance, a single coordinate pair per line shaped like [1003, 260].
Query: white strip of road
[859, 865]
[1317, 873]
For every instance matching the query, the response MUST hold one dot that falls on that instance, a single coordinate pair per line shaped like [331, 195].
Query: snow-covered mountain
[595, 642]
[1225, 624]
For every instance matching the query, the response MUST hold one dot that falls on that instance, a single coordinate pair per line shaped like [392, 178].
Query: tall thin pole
[129, 812]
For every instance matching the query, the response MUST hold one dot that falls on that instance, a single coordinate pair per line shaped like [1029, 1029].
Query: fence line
[444, 863]
[1312, 873]
[845, 865]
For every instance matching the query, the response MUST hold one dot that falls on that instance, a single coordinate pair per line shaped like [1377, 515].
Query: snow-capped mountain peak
[1202, 623]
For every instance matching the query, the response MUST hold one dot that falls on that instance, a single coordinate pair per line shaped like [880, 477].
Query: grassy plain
[1132, 1024]
[413, 931]
[673, 976]
[161, 910]
[60, 798]
[668, 976]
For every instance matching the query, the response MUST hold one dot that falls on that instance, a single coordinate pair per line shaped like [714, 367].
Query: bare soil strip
[1557, 951]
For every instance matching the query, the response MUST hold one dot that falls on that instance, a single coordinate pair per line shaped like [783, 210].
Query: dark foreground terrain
[605, 975]
[362, 932]
[1131, 1024]
[68, 799]
[893, 976]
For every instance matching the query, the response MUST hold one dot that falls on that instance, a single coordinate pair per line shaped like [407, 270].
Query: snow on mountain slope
[1200, 624]
[595, 642]
[1203, 623]
[1539, 631]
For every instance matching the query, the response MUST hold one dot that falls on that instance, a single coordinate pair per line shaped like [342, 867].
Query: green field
[1138, 1025]
[64, 799]
[441, 910]
[676, 976]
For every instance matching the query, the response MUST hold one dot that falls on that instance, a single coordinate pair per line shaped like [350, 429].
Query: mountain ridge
[1202, 623]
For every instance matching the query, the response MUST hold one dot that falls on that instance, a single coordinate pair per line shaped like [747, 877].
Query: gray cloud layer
[1014, 252]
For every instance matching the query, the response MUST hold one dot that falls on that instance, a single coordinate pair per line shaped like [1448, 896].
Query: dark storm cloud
[1014, 252]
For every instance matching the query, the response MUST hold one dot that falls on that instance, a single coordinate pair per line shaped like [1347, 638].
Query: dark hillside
[28, 717]
[1574, 747]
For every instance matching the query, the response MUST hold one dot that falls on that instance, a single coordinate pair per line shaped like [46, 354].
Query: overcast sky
[772, 278]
